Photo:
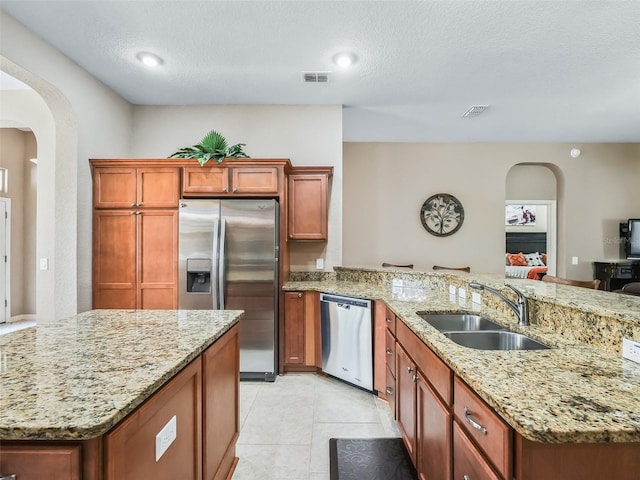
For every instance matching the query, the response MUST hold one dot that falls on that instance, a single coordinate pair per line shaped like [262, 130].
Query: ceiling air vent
[475, 110]
[315, 77]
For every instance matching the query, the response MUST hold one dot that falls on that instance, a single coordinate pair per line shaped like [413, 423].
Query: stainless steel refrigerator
[229, 261]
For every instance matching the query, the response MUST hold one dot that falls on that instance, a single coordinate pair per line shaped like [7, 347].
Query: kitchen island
[571, 411]
[121, 394]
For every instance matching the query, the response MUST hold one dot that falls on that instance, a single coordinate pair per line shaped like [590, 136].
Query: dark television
[632, 243]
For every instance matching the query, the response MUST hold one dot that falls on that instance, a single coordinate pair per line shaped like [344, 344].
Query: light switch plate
[452, 289]
[319, 263]
[165, 437]
[631, 350]
[476, 297]
[462, 293]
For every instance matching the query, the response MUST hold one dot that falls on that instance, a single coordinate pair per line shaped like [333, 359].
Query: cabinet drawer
[434, 369]
[468, 463]
[28, 461]
[390, 351]
[490, 432]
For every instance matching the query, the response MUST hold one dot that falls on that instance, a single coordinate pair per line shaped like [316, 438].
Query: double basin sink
[475, 331]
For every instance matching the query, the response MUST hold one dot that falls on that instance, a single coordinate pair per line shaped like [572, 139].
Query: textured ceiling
[551, 71]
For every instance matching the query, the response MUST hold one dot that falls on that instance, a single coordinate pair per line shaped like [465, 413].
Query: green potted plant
[213, 145]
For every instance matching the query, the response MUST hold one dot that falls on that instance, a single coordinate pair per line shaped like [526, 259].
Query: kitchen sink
[495, 340]
[457, 322]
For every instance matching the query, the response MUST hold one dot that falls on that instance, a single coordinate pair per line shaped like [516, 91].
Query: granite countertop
[572, 392]
[76, 378]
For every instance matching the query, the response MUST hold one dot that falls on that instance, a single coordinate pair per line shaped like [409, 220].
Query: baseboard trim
[19, 318]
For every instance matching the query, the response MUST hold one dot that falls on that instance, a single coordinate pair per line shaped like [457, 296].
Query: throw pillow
[533, 260]
[517, 259]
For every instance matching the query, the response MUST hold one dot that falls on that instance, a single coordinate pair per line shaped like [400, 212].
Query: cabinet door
[220, 405]
[308, 206]
[207, 180]
[157, 259]
[158, 187]
[254, 180]
[468, 463]
[114, 187]
[390, 391]
[379, 354]
[130, 448]
[114, 259]
[294, 332]
[406, 399]
[433, 456]
[30, 461]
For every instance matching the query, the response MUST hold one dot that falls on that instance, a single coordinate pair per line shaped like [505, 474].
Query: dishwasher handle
[345, 302]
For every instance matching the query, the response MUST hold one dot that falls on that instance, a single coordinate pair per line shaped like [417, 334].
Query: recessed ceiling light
[149, 59]
[344, 59]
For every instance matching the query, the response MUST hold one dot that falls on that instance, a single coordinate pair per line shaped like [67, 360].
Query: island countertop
[78, 377]
[570, 393]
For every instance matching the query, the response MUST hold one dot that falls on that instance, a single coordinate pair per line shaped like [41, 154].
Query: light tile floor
[285, 426]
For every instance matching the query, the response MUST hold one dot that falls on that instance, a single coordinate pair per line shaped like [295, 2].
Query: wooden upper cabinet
[240, 180]
[131, 187]
[309, 203]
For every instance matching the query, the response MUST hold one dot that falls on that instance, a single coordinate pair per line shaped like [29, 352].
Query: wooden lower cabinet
[433, 456]
[406, 399]
[220, 398]
[302, 349]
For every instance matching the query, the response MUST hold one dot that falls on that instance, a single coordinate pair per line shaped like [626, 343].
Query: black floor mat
[370, 459]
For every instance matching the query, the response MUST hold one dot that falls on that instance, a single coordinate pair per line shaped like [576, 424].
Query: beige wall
[307, 135]
[385, 185]
[16, 148]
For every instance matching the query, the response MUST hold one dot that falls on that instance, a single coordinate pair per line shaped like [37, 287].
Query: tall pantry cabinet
[135, 235]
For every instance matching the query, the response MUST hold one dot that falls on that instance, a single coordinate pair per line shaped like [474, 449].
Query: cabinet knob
[466, 477]
[138, 212]
[291, 235]
[389, 390]
[133, 204]
[415, 378]
[299, 294]
[225, 189]
[388, 320]
[409, 369]
[235, 189]
[9, 477]
[389, 352]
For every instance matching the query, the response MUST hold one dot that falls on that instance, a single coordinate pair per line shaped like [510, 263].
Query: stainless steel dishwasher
[347, 343]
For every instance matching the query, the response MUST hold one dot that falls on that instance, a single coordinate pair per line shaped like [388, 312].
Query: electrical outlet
[476, 297]
[319, 263]
[631, 350]
[462, 293]
[574, 260]
[44, 264]
[452, 289]
[165, 437]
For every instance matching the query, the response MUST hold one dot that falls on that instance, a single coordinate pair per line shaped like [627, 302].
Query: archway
[49, 115]
[531, 218]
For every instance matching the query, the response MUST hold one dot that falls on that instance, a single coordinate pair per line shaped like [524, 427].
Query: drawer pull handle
[9, 477]
[472, 421]
[409, 369]
[389, 391]
[389, 352]
[388, 320]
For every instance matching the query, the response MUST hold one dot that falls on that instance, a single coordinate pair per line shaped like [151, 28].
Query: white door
[4, 259]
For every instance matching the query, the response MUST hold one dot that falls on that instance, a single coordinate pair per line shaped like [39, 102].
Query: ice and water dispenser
[198, 275]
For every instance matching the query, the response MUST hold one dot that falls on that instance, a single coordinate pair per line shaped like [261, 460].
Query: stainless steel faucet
[519, 307]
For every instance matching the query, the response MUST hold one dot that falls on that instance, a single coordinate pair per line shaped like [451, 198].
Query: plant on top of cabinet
[213, 145]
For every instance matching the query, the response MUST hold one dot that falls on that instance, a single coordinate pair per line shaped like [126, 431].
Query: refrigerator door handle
[216, 261]
[221, 262]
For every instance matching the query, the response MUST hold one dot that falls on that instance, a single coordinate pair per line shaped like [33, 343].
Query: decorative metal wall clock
[442, 214]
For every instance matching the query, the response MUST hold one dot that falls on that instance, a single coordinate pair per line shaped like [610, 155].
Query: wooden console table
[614, 275]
